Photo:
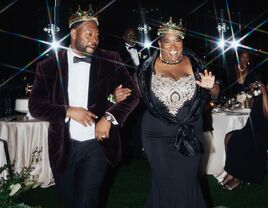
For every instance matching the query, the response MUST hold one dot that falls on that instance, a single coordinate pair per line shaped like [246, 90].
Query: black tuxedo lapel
[63, 76]
[126, 56]
[94, 76]
[127, 59]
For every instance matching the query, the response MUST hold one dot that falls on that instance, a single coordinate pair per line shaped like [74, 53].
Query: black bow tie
[86, 59]
[130, 47]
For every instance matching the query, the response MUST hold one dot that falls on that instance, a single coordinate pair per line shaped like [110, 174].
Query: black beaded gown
[174, 176]
[246, 149]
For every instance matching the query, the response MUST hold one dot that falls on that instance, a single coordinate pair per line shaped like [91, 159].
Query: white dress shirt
[78, 82]
[134, 54]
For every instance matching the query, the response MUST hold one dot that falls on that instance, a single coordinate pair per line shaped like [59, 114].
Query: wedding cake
[21, 105]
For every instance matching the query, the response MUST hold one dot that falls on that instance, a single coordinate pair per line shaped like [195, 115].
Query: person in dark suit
[133, 55]
[71, 91]
[131, 52]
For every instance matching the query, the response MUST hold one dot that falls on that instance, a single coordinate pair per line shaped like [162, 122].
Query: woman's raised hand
[206, 80]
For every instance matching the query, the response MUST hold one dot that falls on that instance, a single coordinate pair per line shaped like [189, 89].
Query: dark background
[24, 20]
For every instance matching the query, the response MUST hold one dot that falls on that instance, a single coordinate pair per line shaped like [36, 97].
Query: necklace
[241, 69]
[170, 62]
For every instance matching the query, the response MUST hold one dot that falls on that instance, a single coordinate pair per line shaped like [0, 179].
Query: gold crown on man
[81, 16]
[171, 26]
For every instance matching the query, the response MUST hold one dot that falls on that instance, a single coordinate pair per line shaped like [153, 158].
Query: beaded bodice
[173, 93]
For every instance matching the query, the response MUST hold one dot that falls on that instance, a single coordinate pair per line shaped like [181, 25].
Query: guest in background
[131, 52]
[133, 55]
[242, 75]
[246, 148]
[71, 91]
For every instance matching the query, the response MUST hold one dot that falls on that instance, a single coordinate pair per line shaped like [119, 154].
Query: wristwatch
[109, 117]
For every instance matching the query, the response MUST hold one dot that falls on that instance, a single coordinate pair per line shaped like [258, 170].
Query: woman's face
[244, 59]
[171, 46]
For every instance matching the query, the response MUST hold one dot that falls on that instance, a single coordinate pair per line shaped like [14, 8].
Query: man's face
[85, 38]
[130, 37]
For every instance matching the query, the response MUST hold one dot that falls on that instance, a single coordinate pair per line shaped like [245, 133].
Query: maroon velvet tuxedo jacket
[49, 101]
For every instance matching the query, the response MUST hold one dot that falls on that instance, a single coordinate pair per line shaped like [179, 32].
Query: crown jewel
[172, 27]
[81, 16]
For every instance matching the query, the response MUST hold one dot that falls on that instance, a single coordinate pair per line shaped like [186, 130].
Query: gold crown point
[90, 10]
[171, 26]
[81, 16]
[180, 24]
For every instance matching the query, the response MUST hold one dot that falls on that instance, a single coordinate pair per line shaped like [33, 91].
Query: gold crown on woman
[81, 16]
[172, 27]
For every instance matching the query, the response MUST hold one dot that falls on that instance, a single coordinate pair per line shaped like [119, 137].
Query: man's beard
[83, 49]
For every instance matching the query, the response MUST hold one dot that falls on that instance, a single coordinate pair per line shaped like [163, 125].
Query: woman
[244, 74]
[172, 122]
[246, 148]
[174, 93]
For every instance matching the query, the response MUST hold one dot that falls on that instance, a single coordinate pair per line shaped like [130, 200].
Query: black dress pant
[79, 184]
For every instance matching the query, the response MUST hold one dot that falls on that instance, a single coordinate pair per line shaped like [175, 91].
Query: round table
[22, 138]
[223, 122]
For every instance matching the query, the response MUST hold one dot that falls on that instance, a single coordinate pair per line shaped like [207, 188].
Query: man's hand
[102, 129]
[121, 93]
[81, 115]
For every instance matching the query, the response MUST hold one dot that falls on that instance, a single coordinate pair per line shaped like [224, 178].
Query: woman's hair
[160, 36]
[240, 52]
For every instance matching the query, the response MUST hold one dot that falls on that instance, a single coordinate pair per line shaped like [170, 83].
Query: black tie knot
[131, 47]
[86, 59]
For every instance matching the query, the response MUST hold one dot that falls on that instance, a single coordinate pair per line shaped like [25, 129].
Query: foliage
[16, 183]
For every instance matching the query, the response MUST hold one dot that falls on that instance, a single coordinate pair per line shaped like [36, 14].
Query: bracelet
[213, 97]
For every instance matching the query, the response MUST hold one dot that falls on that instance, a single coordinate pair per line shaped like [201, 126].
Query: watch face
[108, 118]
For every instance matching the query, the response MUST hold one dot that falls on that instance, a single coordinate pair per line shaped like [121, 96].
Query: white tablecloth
[222, 124]
[22, 139]
[3, 160]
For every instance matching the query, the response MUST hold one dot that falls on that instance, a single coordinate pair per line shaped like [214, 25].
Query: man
[132, 53]
[71, 90]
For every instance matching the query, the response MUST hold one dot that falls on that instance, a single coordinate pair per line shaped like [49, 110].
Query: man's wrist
[110, 118]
